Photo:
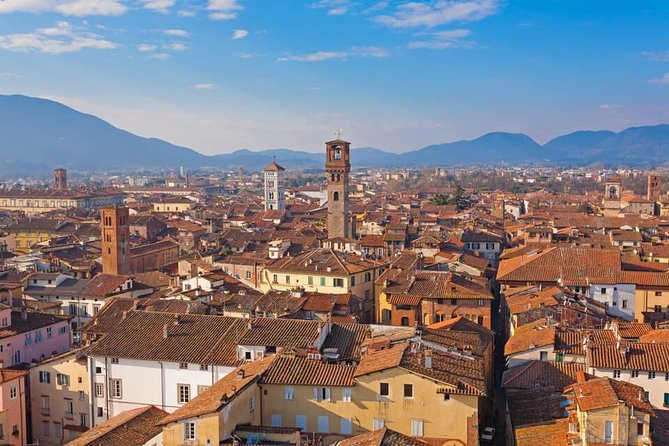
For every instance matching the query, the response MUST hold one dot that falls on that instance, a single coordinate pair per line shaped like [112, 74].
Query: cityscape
[212, 232]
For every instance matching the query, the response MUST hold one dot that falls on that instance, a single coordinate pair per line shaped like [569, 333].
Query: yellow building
[213, 415]
[402, 387]
[173, 205]
[608, 411]
[325, 271]
[651, 292]
[60, 398]
[38, 201]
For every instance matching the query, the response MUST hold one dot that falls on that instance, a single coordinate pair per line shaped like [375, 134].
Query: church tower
[115, 240]
[337, 168]
[273, 187]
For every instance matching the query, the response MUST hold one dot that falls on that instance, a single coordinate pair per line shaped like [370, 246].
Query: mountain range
[37, 135]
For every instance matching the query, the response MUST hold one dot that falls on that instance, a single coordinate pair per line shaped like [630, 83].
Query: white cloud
[319, 56]
[664, 79]
[334, 7]
[239, 34]
[224, 9]
[159, 56]
[417, 14]
[247, 55]
[162, 6]
[176, 46]
[376, 7]
[611, 107]
[659, 56]
[186, 13]
[77, 8]
[9, 74]
[443, 39]
[204, 86]
[61, 38]
[146, 47]
[177, 32]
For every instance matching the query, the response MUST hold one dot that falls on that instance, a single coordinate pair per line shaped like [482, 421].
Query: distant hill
[37, 135]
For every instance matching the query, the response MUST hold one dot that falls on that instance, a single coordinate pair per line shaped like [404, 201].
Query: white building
[274, 187]
[618, 298]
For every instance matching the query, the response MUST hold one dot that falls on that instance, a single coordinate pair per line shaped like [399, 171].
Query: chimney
[240, 374]
[124, 315]
[428, 359]
[165, 333]
[580, 376]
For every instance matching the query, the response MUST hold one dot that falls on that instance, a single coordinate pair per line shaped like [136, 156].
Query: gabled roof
[535, 374]
[130, 428]
[303, 371]
[381, 437]
[600, 393]
[222, 392]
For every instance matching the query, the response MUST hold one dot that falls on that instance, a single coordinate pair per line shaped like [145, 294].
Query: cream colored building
[60, 398]
[38, 201]
[325, 271]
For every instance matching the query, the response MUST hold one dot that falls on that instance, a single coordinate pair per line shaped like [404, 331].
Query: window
[666, 376]
[276, 420]
[603, 291]
[322, 394]
[310, 280]
[46, 428]
[115, 388]
[114, 360]
[639, 428]
[480, 302]
[543, 356]
[384, 389]
[345, 426]
[183, 365]
[99, 390]
[57, 430]
[608, 431]
[447, 396]
[338, 282]
[658, 293]
[616, 373]
[288, 392]
[417, 428]
[323, 424]
[49, 332]
[248, 275]
[189, 431]
[98, 370]
[45, 377]
[635, 373]
[83, 419]
[651, 374]
[287, 279]
[454, 301]
[46, 407]
[204, 367]
[301, 422]
[247, 355]
[69, 408]
[335, 197]
[184, 393]
[379, 423]
[666, 400]
[100, 412]
[404, 321]
[62, 379]
[82, 395]
[408, 391]
[624, 303]
[347, 393]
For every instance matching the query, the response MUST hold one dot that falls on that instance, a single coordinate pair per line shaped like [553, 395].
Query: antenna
[338, 132]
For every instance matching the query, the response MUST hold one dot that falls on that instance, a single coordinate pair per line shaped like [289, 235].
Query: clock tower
[337, 168]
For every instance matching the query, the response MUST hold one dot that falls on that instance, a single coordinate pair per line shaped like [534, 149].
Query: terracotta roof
[535, 374]
[104, 285]
[381, 437]
[522, 303]
[378, 360]
[347, 338]
[224, 390]
[302, 371]
[633, 356]
[552, 433]
[655, 337]
[11, 374]
[130, 428]
[600, 393]
[322, 261]
[282, 333]
[633, 330]
[197, 339]
[529, 339]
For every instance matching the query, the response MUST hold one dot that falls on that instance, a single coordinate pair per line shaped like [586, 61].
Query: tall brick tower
[115, 240]
[337, 168]
[60, 179]
[654, 187]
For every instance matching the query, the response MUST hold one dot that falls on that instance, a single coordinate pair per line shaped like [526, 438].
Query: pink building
[31, 337]
[13, 407]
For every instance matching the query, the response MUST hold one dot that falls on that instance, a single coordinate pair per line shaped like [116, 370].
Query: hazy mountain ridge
[39, 134]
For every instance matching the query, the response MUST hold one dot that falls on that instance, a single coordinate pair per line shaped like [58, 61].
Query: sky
[222, 75]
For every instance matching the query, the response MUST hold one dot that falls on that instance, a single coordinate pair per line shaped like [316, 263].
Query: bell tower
[337, 168]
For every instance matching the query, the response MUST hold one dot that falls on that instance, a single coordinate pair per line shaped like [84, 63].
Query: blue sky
[220, 75]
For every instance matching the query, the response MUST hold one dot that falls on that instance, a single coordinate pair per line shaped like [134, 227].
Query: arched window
[405, 321]
[335, 196]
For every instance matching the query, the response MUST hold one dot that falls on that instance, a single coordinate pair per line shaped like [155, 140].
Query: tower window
[335, 196]
[337, 154]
